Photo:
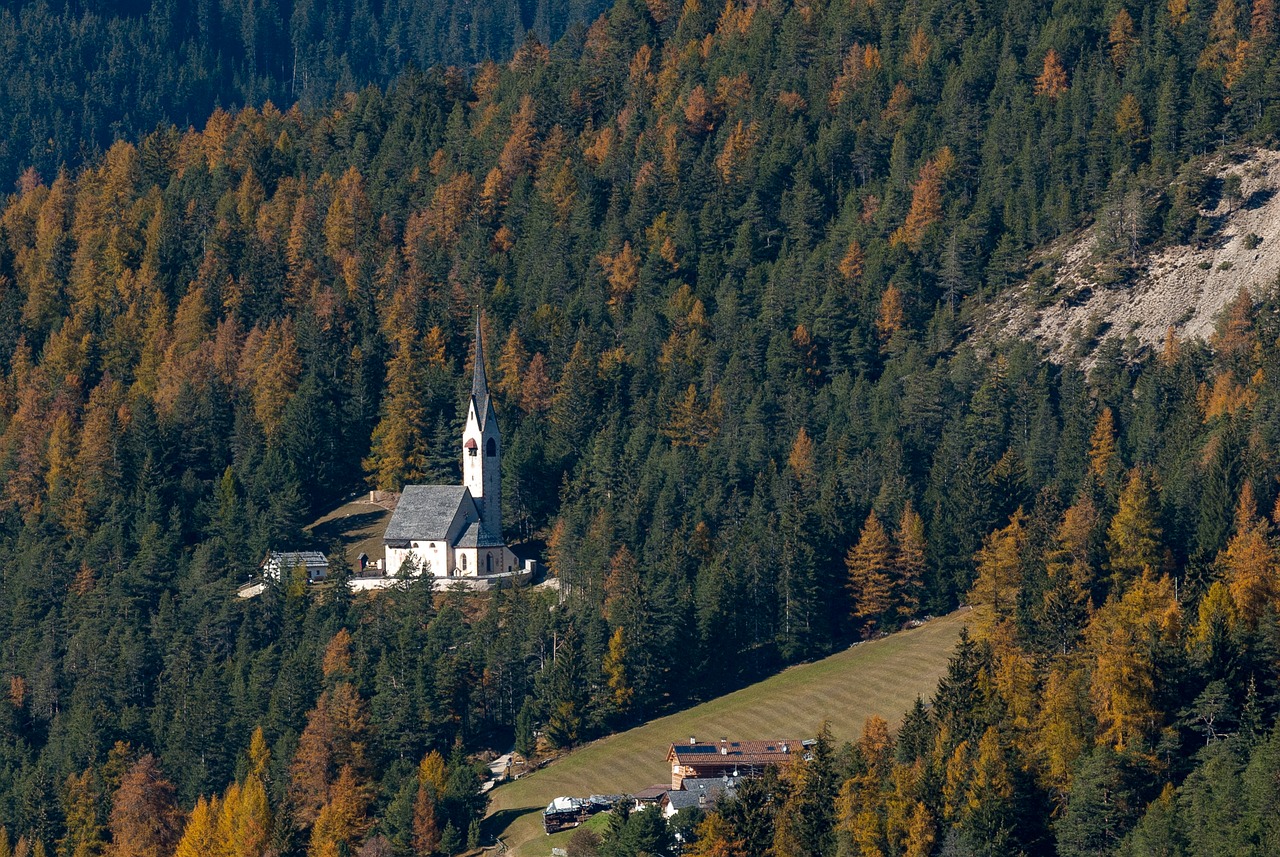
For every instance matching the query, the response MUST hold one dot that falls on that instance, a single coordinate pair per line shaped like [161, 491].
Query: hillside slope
[881, 677]
[1183, 286]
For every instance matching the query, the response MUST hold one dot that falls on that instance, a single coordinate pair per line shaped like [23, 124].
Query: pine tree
[1133, 537]
[1249, 561]
[869, 564]
[145, 820]
[616, 673]
[341, 823]
[999, 573]
[84, 836]
[909, 562]
[426, 833]
[200, 836]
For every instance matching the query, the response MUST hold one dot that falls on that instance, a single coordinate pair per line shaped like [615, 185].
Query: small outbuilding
[279, 564]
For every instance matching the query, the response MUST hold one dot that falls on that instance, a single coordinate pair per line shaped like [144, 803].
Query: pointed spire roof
[479, 384]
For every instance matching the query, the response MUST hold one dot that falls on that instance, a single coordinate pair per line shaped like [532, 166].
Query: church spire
[479, 385]
[482, 447]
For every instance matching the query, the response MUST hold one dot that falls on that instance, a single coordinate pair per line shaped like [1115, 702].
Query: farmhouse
[728, 758]
[455, 531]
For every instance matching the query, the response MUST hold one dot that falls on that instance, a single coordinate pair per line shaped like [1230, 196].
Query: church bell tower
[482, 447]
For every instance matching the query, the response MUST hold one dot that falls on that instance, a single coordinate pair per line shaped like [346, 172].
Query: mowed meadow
[881, 677]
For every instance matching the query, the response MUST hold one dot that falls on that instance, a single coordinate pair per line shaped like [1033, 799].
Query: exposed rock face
[1179, 287]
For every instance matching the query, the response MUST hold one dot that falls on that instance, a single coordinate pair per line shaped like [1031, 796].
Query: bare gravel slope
[1178, 287]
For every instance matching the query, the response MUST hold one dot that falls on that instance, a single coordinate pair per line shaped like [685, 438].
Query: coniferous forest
[735, 263]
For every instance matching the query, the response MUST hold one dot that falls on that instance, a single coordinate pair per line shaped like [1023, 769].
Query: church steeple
[482, 446]
[479, 384]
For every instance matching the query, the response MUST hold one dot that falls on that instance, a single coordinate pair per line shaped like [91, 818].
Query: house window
[491, 448]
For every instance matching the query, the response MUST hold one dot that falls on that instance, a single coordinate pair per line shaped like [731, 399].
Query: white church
[454, 532]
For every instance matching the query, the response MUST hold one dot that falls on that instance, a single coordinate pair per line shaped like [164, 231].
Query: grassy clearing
[882, 677]
[357, 526]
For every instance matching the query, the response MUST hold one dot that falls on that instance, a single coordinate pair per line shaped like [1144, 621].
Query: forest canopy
[730, 260]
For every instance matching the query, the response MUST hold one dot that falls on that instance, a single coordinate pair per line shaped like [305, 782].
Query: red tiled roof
[650, 793]
[778, 752]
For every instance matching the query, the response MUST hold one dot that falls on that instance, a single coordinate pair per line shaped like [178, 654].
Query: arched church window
[491, 448]
[464, 562]
[488, 559]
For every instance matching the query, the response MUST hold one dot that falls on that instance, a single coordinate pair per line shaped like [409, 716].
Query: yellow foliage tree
[800, 460]
[869, 564]
[1249, 562]
[926, 207]
[999, 572]
[615, 670]
[343, 821]
[1121, 638]
[908, 562]
[716, 838]
[1121, 38]
[692, 424]
[890, 317]
[1216, 615]
[1063, 726]
[432, 772]
[1102, 447]
[1224, 35]
[622, 270]
[919, 49]
[1133, 537]
[1131, 128]
[851, 263]
[1052, 82]
[199, 837]
[518, 151]
[741, 142]
[699, 111]
[535, 389]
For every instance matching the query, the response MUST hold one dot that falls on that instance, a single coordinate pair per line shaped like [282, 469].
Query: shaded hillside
[79, 76]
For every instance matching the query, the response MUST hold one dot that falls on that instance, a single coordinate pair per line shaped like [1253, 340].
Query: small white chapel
[455, 531]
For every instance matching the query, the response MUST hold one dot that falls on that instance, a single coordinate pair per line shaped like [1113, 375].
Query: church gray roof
[475, 535]
[425, 512]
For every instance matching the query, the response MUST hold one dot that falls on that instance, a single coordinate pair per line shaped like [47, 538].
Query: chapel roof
[425, 512]
[476, 535]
